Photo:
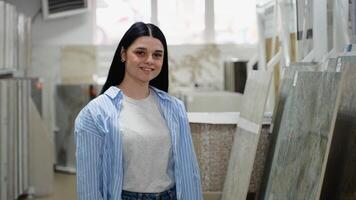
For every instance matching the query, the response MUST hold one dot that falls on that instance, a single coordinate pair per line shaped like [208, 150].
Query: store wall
[76, 29]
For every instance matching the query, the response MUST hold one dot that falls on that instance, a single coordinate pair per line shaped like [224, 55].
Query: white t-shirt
[148, 163]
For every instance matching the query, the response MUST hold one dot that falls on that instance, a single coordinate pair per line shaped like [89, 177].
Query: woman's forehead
[147, 42]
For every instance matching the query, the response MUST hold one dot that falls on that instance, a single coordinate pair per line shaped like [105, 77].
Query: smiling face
[143, 59]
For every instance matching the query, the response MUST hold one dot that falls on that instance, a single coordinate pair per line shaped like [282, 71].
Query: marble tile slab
[340, 175]
[287, 83]
[78, 64]
[246, 137]
[304, 136]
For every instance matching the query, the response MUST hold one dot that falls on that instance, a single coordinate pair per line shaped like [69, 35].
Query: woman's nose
[149, 59]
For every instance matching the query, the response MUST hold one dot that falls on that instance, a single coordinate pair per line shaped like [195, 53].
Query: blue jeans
[169, 194]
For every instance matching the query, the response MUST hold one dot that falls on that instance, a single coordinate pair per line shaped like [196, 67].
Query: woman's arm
[89, 144]
[191, 174]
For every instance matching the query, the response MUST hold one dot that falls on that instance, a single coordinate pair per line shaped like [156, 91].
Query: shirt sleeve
[89, 145]
[190, 169]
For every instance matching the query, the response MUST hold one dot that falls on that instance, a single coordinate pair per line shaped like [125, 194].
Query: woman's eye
[157, 55]
[140, 53]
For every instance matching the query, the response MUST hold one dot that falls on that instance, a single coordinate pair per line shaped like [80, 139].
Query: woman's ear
[123, 54]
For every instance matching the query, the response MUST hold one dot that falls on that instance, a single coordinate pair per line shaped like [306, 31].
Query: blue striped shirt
[99, 148]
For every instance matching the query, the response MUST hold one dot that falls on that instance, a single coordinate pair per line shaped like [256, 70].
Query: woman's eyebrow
[144, 49]
[141, 48]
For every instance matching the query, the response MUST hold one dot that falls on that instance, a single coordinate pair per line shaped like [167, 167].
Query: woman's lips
[147, 69]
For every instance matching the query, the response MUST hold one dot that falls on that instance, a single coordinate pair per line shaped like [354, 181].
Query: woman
[133, 140]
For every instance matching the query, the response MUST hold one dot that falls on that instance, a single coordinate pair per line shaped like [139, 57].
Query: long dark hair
[117, 68]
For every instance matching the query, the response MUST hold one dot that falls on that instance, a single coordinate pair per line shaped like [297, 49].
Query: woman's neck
[134, 90]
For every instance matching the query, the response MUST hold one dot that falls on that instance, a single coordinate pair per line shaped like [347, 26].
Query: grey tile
[247, 135]
[284, 93]
[303, 136]
[340, 174]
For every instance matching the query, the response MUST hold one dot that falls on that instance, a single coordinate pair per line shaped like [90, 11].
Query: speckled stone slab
[304, 136]
[212, 144]
[340, 175]
[247, 135]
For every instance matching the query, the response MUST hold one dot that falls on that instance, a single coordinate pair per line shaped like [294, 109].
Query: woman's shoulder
[94, 113]
[97, 106]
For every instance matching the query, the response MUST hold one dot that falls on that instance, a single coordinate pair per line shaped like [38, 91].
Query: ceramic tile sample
[303, 136]
[340, 174]
[247, 135]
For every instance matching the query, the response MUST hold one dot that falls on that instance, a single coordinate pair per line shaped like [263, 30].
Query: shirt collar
[113, 91]
[161, 94]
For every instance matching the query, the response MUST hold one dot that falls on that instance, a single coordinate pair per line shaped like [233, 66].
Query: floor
[64, 188]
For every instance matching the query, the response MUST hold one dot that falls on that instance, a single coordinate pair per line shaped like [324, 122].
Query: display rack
[15, 54]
